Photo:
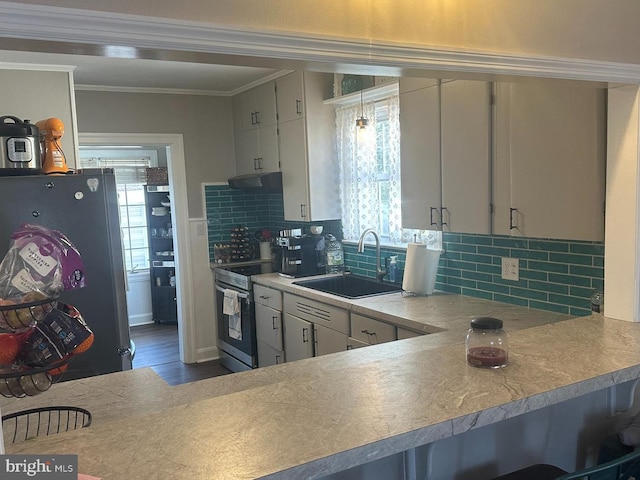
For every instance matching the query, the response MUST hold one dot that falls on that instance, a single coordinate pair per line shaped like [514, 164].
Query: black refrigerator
[84, 207]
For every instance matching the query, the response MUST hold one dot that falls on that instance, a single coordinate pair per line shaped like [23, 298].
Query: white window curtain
[369, 162]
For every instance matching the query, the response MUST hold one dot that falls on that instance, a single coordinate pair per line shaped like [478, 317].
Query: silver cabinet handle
[277, 359]
[511, 225]
[303, 210]
[298, 107]
[367, 332]
[305, 335]
[431, 222]
[257, 118]
[273, 319]
[264, 297]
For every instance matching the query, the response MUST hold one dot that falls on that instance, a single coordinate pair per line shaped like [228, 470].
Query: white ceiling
[128, 74]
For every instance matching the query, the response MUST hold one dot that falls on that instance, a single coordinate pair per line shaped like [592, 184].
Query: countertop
[312, 417]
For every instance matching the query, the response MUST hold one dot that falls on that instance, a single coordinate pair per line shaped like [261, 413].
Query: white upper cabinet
[445, 151]
[307, 147]
[256, 130]
[258, 106]
[290, 96]
[420, 154]
[466, 156]
[549, 170]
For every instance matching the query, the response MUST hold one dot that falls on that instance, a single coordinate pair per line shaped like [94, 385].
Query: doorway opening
[172, 145]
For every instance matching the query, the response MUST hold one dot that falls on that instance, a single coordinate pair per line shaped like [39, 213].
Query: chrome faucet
[380, 272]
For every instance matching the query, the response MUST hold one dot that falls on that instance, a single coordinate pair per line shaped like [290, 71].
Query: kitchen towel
[421, 267]
[231, 307]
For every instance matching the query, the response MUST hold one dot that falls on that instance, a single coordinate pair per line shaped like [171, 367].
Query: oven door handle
[240, 295]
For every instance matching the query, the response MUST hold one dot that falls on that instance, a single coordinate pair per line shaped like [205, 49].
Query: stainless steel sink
[349, 286]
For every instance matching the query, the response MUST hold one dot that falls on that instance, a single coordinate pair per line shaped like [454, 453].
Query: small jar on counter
[487, 345]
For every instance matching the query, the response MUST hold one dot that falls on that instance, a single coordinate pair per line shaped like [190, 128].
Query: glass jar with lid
[487, 344]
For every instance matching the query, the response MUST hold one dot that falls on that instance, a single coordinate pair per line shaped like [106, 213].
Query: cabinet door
[265, 104]
[267, 355]
[247, 160]
[550, 161]
[465, 123]
[269, 326]
[420, 154]
[298, 338]
[353, 343]
[268, 157]
[258, 107]
[290, 97]
[293, 164]
[404, 333]
[258, 151]
[328, 340]
[247, 110]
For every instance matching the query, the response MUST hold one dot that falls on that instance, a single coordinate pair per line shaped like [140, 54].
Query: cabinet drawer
[317, 312]
[267, 296]
[269, 326]
[371, 331]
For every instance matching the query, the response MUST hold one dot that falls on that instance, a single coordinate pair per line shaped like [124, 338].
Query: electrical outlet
[510, 269]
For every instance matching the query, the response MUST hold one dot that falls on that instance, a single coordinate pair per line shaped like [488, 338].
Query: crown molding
[121, 35]
[39, 67]
[161, 91]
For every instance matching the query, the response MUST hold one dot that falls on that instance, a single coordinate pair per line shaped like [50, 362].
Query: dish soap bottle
[393, 268]
[334, 254]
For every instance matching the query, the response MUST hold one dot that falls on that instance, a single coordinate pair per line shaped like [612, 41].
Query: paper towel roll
[421, 267]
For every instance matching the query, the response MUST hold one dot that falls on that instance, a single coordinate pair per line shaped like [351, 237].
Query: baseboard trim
[207, 354]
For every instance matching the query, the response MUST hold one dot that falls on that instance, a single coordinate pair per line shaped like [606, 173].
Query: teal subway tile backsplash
[555, 275]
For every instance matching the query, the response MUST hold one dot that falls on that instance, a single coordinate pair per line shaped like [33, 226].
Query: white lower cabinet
[268, 305]
[405, 333]
[353, 343]
[298, 338]
[329, 341]
[313, 328]
[267, 355]
[370, 331]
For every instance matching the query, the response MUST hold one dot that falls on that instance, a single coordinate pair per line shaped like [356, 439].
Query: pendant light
[362, 122]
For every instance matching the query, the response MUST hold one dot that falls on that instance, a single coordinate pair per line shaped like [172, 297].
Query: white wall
[586, 29]
[204, 121]
[139, 298]
[37, 95]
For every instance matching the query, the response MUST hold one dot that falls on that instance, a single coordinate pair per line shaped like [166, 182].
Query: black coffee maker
[297, 254]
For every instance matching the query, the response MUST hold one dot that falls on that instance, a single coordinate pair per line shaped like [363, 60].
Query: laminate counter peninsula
[315, 417]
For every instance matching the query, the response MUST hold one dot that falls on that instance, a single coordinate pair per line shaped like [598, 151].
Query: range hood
[271, 182]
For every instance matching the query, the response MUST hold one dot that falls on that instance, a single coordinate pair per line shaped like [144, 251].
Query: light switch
[200, 228]
[510, 269]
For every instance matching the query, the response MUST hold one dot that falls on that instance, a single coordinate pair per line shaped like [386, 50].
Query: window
[370, 169]
[130, 172]
[370, 185]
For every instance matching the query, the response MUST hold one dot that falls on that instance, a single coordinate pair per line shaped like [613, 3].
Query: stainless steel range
[237, 346]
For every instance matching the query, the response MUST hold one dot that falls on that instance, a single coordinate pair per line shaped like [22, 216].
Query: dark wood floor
[157, 347]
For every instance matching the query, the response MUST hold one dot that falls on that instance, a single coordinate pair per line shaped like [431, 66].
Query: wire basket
[22, 381]
[25, 315]
[26, 424]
